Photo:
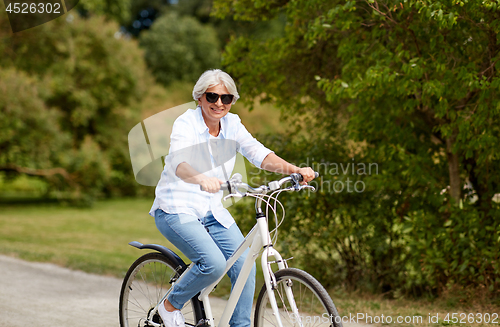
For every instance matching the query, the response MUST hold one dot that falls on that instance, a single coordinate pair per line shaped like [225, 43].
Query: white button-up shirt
[191, 142]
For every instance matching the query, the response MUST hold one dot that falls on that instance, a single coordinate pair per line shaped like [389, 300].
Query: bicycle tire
[315, 307]
[145, 284]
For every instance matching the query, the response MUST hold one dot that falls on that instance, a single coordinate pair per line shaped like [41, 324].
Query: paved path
[44, 294]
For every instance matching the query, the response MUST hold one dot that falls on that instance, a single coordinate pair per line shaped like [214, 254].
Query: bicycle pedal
[203, 323]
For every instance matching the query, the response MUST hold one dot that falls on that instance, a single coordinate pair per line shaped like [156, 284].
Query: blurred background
[396, 104]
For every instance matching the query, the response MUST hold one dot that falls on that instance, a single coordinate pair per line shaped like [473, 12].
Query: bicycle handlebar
[235, 183]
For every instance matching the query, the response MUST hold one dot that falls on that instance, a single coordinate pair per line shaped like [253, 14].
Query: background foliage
[71, 91]
[411, 86]
[117, 10]
[180, 48]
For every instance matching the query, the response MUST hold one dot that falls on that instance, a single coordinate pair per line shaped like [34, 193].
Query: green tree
[414, 85]
[30, 138]
[117, 10]
[229, 27]
[85, 83]
[180, 48]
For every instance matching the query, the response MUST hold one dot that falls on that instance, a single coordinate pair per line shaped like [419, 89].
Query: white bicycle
[290, 297]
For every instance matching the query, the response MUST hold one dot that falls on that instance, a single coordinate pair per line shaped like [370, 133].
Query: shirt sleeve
[249, 147]
[182, 141]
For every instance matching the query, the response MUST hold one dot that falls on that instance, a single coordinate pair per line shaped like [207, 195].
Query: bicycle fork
[271, 285]
[270, 279]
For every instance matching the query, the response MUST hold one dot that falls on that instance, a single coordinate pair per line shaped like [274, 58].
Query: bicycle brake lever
[233, 195]
[312, 188]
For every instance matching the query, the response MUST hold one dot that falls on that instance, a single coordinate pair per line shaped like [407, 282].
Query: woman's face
[213, 112]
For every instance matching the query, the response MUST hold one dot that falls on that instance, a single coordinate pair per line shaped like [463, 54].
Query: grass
[442, 311]
[92, 239]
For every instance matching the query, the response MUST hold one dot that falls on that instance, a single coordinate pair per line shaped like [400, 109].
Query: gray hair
[211, 78]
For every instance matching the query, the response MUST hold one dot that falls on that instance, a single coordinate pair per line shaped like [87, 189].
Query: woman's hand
[211, 184]
[307, 173]
[189, 175]
[277, 165]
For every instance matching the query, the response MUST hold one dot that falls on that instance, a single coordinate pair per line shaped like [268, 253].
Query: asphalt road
[42, 294]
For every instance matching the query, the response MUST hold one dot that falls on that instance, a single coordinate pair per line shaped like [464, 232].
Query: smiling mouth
[216, 110]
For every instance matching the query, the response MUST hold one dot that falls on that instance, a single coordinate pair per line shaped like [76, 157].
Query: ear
[199, 102]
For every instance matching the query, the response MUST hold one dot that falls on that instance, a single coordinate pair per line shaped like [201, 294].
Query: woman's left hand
[307, 173]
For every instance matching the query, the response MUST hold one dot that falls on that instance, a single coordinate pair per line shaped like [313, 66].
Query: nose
[219, 102]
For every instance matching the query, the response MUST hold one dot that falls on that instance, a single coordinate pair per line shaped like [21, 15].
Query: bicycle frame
[257, 239]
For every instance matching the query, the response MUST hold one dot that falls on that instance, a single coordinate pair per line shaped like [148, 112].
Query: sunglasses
[213, 97]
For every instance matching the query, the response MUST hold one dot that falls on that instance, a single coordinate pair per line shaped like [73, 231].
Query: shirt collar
[202, 126]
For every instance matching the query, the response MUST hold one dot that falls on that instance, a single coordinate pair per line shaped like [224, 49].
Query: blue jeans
[208, 244]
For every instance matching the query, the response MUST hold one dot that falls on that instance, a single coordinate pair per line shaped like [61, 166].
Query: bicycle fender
[163, 250]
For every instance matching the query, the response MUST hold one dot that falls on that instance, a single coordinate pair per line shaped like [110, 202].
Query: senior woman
[203, 147]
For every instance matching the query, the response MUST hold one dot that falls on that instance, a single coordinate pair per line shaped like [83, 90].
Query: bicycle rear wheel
[314, 307]
[144, 285]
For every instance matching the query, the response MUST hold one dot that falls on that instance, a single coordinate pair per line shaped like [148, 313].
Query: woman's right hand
[211, 184]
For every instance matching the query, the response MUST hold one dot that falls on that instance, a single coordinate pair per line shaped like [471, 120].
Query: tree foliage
[411, 86]
[117, 10]
[179, 48]
[27, 136]
[76, 107]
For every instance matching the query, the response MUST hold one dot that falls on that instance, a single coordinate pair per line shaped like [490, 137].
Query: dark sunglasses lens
[212, 97]
[226, 98]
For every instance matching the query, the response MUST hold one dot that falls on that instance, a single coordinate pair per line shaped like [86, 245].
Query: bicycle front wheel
[302, 302]
[146, 282]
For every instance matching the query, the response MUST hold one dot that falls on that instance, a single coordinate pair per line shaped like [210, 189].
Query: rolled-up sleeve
[249, 147]
[181, 143]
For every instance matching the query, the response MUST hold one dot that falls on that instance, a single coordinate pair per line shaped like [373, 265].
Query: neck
[213, 128]
[214, 132]
[213, 125]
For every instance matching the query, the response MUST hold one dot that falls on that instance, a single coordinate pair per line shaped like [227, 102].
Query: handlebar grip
[223, 186]
[301, 178]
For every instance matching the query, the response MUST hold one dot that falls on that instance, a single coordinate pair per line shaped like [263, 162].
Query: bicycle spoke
[137, 304]
[301, 301]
